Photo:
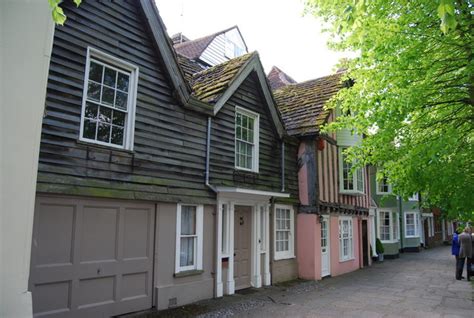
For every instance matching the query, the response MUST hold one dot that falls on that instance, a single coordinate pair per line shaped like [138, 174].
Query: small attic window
[232, 50]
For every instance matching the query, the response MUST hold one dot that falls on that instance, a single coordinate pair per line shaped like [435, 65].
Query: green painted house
[397, 221]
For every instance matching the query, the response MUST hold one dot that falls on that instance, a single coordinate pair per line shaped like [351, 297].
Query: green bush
[379, 247]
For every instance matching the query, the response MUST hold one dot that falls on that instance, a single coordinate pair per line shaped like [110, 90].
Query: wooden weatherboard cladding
[249, 96]
[168, 156]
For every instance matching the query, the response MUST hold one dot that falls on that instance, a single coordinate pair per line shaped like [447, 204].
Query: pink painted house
[334, 226]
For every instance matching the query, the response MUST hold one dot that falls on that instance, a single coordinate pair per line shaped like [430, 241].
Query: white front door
[325, 254]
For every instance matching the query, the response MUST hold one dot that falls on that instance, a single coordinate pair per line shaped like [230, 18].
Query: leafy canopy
[57, 12]
[413, 93]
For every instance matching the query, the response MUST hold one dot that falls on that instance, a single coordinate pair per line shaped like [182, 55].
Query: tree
[413, 93]
[57, 12]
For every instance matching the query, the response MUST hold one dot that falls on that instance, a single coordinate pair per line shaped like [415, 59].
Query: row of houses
[175, 170]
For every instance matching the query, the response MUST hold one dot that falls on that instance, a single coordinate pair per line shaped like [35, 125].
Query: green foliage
[379, 249]
[413, 95]
[57, 12]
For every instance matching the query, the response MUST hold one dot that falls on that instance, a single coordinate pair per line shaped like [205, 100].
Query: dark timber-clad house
[159, 183]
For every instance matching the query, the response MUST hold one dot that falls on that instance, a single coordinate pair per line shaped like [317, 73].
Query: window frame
[256, 139]
[394, 236]
[377, 187]
[291, 237]
[94, 55]
[355, 183]
[415, 197]
[350, 256]
[416, 223]
[197, 264]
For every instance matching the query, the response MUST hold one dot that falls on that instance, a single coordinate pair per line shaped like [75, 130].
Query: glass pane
[93, 91]
[122, 82]
[118, 118]
[187, 251]
[108, 95]
[95, 72]
[244, 134]
[105, 114]
[244, 121]
[117, 135]
[91, 110]
[89, 129]
[238, 132]
[121, 100]
[110, 77]
[188, 220]
[238, 119]
[103, 133]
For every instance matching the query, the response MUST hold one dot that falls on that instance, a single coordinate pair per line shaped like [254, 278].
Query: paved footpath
[415, 285]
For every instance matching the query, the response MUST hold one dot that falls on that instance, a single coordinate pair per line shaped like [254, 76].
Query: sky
[276, 29]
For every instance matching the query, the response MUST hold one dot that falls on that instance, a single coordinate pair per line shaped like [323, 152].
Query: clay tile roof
[194, 48]
[278, 78]
[210, 84]
[302, 105]
[189, 67]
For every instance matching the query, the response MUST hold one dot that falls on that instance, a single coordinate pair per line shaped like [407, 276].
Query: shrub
[379, 247]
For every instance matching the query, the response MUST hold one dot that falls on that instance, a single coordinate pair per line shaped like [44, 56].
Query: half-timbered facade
[333, 220]
[157, 181]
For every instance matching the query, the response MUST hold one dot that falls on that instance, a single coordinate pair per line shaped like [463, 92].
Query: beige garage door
[91, 258]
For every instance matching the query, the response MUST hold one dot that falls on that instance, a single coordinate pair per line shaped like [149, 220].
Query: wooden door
[325, 253]
[91, 258]
[242, 249]
[365, 243]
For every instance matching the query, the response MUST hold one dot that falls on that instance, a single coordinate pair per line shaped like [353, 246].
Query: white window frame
[291, 237]
[355, 184]
[416, 221]
[393, 217]
[197, 264]
[377, 187]
[414, 197]
[350, 255]
[256, 138]
[120, 65]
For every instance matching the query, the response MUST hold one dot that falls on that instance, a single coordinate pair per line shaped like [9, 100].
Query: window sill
[192, 272]
[389, 241]
[101, 146]
[354, 193]
[412, 236]
[283, 257]
[346, 260]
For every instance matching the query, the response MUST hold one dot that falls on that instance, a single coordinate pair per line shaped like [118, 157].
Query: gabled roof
[278, 78]
[217, 84]
[193, 49]
[170, 59]
[302, 105]
[189, 67]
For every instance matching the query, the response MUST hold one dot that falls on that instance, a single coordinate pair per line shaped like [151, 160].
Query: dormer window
[350, 182]
[383, 187]
[246, 140]
[232, 50]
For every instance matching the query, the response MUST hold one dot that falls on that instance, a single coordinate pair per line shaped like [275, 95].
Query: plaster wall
[308, 243]
[26, 34]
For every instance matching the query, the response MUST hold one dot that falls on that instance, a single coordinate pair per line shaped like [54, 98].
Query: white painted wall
[26, 34]
[215, 53]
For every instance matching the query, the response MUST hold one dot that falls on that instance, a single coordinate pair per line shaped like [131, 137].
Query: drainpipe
[400, 213]
[208, 151]
[282, 166]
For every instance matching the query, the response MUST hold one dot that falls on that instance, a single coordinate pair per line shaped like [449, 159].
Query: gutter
[208, 151]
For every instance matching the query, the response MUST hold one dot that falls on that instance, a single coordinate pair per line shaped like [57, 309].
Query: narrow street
[415, 285]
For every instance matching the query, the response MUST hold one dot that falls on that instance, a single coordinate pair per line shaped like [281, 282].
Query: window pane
[103, 133]
[121, 100]
[122, 82]
[188, 220]
[93, 91]
[117, 135]
[105, 114]
[91, 110]
[187, 251]
[118, 118]
[108, 95]
[89, 129]
[110, 77]
[95, 72]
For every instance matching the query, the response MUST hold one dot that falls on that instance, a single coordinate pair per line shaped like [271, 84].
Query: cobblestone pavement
[415, 285]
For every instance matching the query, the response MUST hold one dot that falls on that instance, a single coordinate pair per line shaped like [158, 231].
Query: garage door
[91, 258]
